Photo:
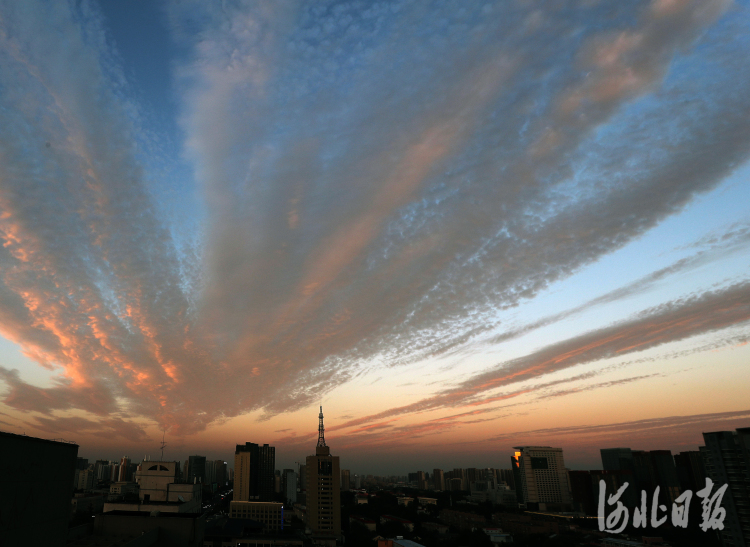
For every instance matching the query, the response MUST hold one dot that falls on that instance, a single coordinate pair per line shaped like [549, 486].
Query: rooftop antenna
[321, 429]
[163, 444]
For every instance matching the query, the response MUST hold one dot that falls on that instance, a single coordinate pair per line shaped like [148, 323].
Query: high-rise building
[124, 475]
[541, 478]
[649, 468]
[86, 479]
[302, 477]
[506, 476]
[290, 485]
[254, 472]
[210, 476]
[197, 467]
[345, 480]
[727, 460]
[666, 475]
[221, 472]
[323, 498]
[438, 479]
[616, 459]
[460, 474]
[691, 470]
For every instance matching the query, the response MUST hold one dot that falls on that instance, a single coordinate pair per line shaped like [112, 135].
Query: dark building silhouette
[36, 487]
[615, 459]
[323, 485]
[585, 488]
[197, 467]
[690, 470]
[649, 470]
[254, 472]
[727, 460]
[666, 475]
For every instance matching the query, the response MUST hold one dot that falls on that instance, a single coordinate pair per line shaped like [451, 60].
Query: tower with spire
[322, 449]
[323, 485]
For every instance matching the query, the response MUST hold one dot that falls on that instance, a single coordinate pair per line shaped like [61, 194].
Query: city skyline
[459, 227]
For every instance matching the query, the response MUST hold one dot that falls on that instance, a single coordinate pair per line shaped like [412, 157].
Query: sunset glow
[459, 226]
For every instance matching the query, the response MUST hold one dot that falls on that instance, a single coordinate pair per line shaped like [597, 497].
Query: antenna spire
[321, 429]
[163, 444]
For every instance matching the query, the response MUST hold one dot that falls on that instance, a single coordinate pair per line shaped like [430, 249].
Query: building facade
[345, 479]
[323, 485]
[727, 460]
[254, 472]
[541, 478]
[36, 490]
[270, 514]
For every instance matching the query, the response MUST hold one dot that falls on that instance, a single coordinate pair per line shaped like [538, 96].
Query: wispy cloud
[379, 181]
[668, 323]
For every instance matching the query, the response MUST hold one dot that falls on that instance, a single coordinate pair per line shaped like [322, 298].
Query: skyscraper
[727, 459]
[123, 472]
[254, 472]
[541, 478]
[345, 480]
[616, 459]
[323, 498]
[221, 472]
[197, 465]
[691, 470]
[438, 479]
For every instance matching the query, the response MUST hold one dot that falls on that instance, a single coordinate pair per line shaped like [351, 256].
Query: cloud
[379, 181]
[671, 322]
[110, 427]
[668, 427]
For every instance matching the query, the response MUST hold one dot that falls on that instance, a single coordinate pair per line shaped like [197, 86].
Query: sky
[458, 226]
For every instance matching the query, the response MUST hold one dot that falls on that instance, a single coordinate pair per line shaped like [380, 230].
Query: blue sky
[436, 218]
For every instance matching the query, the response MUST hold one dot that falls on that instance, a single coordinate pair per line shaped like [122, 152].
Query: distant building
[302, 477]
[506, 476]
[268, 513]
[290, 486]
[691, 470]
[101, 470]
[649, 469]
[455, 484]
[541, 478]
[345, 479]
[124, 474]
[426, 501]
[222, 475]
[117, 490]
[438, 479]
[85, 480]
[323, 499]
[409, 525]
[461, 519]
[727, 460]
[616, 459]
[197, 469]
[254, 472]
